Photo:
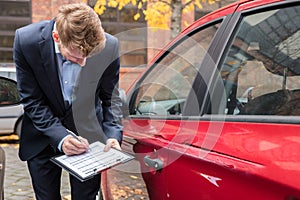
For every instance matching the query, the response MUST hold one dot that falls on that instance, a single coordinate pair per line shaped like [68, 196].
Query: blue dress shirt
[68, 73]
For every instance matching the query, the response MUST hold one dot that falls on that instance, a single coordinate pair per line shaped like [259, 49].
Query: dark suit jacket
[96, 108]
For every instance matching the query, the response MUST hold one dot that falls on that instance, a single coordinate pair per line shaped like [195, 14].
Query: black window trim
[208, 66]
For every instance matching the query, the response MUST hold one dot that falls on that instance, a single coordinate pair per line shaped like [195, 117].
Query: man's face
[72, 54]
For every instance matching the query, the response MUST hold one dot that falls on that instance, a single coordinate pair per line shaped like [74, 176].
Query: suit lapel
[50, 64]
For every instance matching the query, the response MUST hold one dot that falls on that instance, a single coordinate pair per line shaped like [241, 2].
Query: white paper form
[92, 162]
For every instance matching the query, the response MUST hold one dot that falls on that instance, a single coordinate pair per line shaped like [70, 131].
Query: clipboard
[92, 162]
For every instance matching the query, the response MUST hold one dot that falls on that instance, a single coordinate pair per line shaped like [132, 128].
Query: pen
[74, 135]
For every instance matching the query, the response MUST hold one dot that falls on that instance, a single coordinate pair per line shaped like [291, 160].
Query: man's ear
[55, 36]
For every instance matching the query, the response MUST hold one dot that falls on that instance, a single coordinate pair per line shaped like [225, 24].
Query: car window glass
[8, 74]
[261, 72]
[165, 88]
[8, 92]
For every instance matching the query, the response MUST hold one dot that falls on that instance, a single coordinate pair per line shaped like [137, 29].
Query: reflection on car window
[8, 92]
[261, 72]
[165, 89]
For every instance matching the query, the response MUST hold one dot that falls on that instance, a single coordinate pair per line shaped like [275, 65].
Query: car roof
[226, 10]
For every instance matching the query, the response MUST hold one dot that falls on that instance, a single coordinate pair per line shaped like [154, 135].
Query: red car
[216, 115]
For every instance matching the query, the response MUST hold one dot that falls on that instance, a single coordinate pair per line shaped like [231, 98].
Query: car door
[157, 105]
[246, 144]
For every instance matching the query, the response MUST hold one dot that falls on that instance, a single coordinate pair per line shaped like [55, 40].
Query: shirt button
[66, 82]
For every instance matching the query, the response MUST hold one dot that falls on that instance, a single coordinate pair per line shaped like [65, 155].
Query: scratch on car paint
[211, 179]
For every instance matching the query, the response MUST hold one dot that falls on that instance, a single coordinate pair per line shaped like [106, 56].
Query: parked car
[11, 111]
[9, 100]
[216, 114]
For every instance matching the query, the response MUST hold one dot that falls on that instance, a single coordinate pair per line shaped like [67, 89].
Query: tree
[156, 12]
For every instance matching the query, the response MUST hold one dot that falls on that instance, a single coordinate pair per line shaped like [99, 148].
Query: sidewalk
[17, 184]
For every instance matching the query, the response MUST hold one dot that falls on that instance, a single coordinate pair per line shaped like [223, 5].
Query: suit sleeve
[36, 105]
[109, 96]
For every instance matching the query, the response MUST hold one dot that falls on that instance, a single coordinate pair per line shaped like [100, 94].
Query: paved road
[17, 184]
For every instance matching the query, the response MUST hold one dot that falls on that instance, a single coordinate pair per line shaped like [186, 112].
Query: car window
[8, 92]
[8, 72]
[165, 88]
[11, 75]
[261, 72]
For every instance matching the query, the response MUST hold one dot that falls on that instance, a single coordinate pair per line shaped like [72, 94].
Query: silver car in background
[11, 111]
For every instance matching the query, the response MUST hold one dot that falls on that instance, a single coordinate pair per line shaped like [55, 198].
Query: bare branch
[188, 3]
[165, 2]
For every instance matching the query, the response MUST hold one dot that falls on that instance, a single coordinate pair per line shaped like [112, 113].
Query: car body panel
[253, 4]
[155, 181]
[9, 116]
[210, 178]
[239, 154]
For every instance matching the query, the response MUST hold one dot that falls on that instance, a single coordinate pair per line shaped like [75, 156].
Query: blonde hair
[79, 26]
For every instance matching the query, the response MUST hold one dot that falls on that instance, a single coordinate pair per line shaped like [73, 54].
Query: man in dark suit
[67, 74]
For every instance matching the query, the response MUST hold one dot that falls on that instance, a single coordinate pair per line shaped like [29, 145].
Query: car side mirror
[9, 94]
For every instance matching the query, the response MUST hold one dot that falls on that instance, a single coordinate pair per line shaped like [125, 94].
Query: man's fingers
[112, 143]
[107, 147]
[72, 146]
[84, 141]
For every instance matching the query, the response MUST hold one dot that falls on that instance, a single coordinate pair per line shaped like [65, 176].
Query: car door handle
[156, 163]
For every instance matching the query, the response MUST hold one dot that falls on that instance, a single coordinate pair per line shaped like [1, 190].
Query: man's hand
[72, 146]
[112, 143]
